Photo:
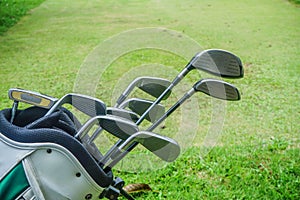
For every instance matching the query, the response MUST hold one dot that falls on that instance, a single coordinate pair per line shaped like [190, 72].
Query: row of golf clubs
[217, 62]
[96, 109]
[213, 61]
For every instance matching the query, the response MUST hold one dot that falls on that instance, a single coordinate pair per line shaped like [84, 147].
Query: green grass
[257, 156]
[242, 173]
[295, 1]
[12, 10]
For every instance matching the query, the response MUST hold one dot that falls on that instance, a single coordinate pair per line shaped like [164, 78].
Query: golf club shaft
[125, 93]
[56, 105]
[178, 78]
[13, 111]
[172, 109]
[145, 83]
[122, 98]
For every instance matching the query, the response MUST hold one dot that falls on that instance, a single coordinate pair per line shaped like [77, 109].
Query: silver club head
[165, 148]
[218, 62]
[139, 106]
[31, 97]
[89, 105]
[218, 89]
[152, 85]
[117, 126]
[127, 114]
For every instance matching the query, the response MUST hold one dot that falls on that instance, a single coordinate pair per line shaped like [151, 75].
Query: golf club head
[218, 62]
[218, 89]
[151, 85]
[117, 126]
[165, 148]
[154, 86]
[89, 105]
[127, 114]
[31, 97]
[139, 106]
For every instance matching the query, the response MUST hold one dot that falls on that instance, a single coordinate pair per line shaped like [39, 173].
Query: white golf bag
[41, 159]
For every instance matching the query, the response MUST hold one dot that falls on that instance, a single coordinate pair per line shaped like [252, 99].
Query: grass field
[11, 11]
[258, 154]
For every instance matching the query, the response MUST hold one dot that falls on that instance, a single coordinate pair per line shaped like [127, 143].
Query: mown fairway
[257, 156]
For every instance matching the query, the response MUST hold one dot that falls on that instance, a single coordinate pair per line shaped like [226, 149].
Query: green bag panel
[14, 183]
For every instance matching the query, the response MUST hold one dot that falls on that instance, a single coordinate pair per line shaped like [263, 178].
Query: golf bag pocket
[41, 159]
[15, 184]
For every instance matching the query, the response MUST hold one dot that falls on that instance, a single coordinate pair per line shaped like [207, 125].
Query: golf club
[31, 97]
[139, 106]
[152, 85]
[89, 105]
[214, 88]
[165, 148]
[120, 112]
[117, 126]
[219, 63]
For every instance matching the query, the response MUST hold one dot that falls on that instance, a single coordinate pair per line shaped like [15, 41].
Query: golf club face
[89, 105]
[127, 114]
[165, 148]
[154, 86]
[31, 97]
[139, 106]
[218, 89]
[119, 127]
[219, 62]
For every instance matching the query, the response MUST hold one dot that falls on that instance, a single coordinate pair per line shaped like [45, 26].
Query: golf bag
[41, 159]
